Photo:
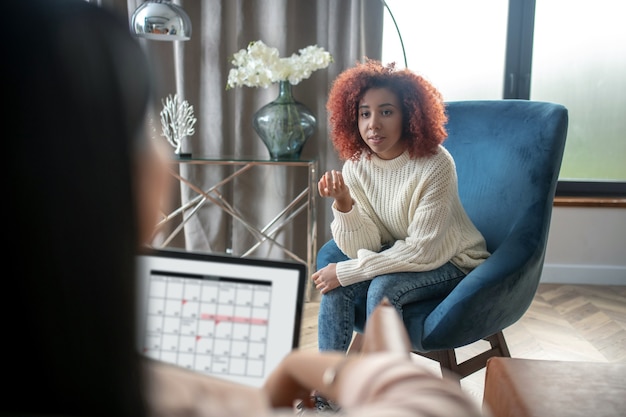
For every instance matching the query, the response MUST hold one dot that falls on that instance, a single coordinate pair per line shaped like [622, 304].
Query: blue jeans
[345, 309]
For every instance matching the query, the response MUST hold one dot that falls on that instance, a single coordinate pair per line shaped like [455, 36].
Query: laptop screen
[228, 317]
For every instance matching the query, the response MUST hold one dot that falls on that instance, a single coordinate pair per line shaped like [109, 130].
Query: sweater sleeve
[356, 229]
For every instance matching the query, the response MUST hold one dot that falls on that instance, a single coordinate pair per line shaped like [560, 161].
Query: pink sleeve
[391, 385]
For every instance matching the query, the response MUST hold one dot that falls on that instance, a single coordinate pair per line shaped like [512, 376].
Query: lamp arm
[397, 30]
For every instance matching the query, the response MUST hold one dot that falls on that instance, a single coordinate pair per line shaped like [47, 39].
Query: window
[571, 52]
[458, 45]
[579, 60]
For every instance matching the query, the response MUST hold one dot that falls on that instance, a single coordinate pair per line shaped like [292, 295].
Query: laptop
[224, 316]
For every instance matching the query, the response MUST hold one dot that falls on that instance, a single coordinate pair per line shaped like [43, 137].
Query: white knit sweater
[410, 204]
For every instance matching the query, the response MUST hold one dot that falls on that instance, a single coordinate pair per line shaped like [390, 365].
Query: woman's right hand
[332, 185]
[326, 279]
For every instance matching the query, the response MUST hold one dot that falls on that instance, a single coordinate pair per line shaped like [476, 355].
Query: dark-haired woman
[84, 185]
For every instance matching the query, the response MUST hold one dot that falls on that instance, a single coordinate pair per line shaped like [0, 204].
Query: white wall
[586, 246]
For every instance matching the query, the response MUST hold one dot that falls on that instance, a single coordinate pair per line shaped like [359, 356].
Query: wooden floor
[564, 322]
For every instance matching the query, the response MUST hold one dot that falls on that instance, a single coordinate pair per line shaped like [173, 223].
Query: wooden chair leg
[448, 361]
[498, 343]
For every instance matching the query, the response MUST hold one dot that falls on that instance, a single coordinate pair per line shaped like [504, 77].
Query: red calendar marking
[232, 319]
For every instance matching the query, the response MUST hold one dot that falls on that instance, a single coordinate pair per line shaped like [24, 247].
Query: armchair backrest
[508, 154]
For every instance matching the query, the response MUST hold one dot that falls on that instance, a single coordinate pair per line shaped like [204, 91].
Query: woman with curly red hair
[399, 229]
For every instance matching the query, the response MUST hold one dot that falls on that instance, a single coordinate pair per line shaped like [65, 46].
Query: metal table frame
[304, 201]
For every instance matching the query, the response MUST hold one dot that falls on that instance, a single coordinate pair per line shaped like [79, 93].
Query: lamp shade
[161, 20]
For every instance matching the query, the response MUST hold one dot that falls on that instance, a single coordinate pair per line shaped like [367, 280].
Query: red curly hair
[423, 109]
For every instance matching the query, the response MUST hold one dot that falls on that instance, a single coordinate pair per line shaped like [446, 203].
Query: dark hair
[423, 110]
[76, 91]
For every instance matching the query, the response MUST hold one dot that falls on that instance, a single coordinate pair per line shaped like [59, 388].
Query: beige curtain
[197, 70]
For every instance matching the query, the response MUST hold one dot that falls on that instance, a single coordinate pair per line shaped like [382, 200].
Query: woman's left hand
[326, 278]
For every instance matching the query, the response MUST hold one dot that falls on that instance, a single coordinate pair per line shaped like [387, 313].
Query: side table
[542, 388]
[304, 202]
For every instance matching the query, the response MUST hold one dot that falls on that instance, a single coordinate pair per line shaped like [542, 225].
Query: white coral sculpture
[177, 121]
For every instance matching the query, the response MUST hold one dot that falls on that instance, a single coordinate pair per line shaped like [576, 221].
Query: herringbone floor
[564, 322]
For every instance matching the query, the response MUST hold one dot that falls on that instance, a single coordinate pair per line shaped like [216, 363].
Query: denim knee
[329, 253]
[407, 287]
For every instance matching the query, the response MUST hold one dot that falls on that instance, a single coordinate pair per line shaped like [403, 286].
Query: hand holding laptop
[302, 372]
[381, 380]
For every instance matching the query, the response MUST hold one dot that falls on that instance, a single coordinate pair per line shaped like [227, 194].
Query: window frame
[516, 85]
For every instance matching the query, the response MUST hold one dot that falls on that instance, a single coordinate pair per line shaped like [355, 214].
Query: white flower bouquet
[260, 65]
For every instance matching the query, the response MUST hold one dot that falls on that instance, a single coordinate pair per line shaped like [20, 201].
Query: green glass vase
[284, 125]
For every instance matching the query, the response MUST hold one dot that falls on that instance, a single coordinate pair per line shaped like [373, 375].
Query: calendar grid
[209, 324]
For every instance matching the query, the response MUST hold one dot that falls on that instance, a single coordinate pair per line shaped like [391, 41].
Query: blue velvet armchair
[508, 155]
